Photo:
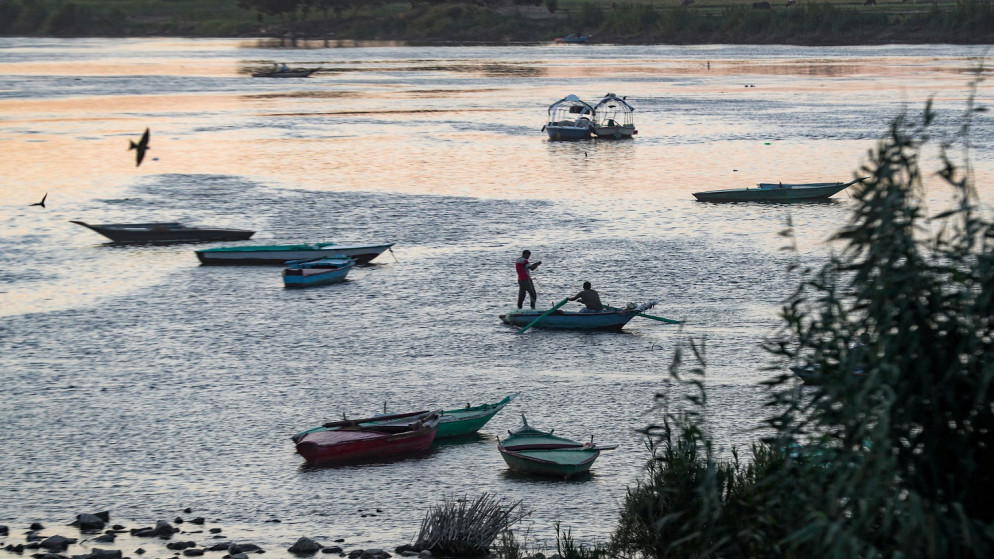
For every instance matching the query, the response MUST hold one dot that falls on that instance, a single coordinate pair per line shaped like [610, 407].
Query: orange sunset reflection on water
[390, 122]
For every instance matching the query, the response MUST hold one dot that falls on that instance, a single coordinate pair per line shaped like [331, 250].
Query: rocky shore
[92, 536]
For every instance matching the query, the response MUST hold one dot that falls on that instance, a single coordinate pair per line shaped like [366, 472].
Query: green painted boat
[542, 453]
[452, 423]
[468, 420]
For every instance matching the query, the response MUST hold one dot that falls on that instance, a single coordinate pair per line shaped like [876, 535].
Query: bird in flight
[141, 147]
[42, 203]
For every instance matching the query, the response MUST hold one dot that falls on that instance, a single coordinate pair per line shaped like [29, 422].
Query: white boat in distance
[273, 255]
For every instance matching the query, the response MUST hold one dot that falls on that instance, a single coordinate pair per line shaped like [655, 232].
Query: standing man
[589, 298]
[525, 284]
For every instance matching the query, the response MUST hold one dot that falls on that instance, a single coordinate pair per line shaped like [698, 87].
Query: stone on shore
[305, 546]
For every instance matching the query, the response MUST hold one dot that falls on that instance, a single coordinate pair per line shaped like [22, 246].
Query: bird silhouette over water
[42, 203]
[141, 147]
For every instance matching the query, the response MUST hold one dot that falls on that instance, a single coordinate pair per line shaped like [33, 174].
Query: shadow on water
[393, 459]
[511, 475]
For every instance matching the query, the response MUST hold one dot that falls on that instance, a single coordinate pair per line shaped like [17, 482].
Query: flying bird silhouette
[141, 147]
[42, 203]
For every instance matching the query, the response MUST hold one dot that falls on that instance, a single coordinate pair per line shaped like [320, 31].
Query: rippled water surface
[139, 382]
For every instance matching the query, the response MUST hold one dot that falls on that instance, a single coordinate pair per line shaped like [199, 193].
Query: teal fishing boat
[280, 254]
[536, 452]
[451, 423]
[776, 192]
[468, 420]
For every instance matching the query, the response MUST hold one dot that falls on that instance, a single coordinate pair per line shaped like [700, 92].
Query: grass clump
[460, 528]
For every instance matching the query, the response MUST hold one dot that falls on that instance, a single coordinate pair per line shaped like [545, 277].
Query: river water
[139, 382]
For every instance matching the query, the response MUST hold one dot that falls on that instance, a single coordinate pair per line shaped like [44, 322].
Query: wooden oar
[543, 315]
[659, 318]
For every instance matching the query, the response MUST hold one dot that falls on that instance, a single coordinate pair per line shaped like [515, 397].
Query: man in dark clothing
[525, 284]
[589, 298]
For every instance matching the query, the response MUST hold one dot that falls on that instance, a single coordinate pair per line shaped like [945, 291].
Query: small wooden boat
[570, 118]
[164, 232]
[451, 423]
[613, 118]
[776, 192]
[288, 73]
[608, 319]
[280, 254]
[308, 273]
[347, 441]
[537, 452]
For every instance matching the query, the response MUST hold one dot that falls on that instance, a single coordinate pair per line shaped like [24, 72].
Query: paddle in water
[543, 315]
[659, 318]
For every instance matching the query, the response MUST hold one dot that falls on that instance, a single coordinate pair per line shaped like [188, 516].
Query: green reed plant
[896, 463]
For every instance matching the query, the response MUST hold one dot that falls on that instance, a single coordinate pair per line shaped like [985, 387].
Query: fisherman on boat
[590, 298]
[525, 283]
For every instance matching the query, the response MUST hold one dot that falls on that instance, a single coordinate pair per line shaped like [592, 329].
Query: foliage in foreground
[896, 463]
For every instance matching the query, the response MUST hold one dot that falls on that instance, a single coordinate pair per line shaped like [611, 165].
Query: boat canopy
[571, 104]
[612, 101]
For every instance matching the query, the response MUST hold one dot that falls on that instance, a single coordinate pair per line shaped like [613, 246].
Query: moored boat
[285, 73]
[452, 423]
[358, 440]
[466, 421]
[608, 319]
[536, 452]
[776, 192]
[613, 118]
[280, 254]
[570, 118]
[322, 271]
[164, 232]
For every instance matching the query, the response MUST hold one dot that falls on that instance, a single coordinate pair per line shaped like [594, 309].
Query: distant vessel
[164, 232]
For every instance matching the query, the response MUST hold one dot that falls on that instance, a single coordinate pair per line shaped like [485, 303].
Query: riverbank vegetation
[894, 461]
[805, 22]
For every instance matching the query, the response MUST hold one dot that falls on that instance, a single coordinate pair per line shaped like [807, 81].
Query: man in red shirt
[525, 284]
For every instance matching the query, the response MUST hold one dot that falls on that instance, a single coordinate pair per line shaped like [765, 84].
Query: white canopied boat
[613, 118]
[570, 118]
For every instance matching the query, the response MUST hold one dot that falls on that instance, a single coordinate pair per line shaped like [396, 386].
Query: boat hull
[606, 320]
[279, 255]
[329, 447]
[562, 463]
[567, 132]
[320, 277]
[459, 423]
[357, 443]
[165, 233]
[774, 193]
[615, 132]
[536, 452]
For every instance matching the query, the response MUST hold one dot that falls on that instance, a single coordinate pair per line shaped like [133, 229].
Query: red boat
[362, 439]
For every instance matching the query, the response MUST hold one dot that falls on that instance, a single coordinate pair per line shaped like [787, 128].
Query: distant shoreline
[734, 23]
